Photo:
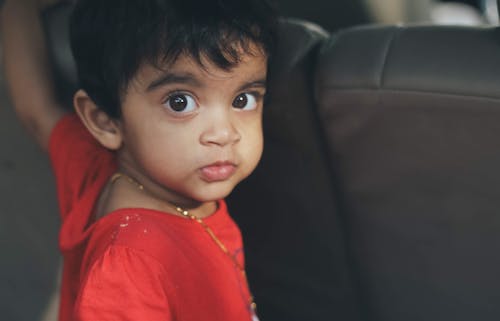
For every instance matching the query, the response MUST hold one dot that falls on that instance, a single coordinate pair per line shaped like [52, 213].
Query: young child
[168, 121]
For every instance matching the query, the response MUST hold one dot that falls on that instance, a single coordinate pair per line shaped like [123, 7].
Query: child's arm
[27, 67]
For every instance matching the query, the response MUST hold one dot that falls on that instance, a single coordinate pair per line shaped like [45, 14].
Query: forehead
[252, 64]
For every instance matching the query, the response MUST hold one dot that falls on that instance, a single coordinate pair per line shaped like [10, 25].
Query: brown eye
[181, 103]
[240, 101]
[245, 101]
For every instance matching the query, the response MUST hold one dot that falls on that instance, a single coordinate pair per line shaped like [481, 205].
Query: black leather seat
[331, 15]
[287, 209]
[412, 120]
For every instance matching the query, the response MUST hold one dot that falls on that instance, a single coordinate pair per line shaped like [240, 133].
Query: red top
[135, 263]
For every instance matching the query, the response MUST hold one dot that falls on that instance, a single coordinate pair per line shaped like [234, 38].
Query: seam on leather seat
[395, 33]
[410, 91]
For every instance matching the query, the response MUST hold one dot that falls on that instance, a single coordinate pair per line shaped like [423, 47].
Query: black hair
[111, 39]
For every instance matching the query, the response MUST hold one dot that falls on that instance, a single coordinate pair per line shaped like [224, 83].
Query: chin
[216, 192]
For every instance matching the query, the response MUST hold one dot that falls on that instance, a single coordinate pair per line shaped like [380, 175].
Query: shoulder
[124, 284]
[71, 143]
[70, 133]
[127, 251]
[79, 163]
[149, 232]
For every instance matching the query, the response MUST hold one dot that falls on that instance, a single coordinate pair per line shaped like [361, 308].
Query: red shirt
[135, 263]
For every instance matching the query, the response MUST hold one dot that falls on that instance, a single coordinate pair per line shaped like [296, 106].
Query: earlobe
[104, 128]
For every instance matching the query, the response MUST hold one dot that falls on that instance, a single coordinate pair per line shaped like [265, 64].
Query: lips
[219, 171]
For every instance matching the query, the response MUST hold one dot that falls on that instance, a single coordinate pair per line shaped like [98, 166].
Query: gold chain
[207, 229]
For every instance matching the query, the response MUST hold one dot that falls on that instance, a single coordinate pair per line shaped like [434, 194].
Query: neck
[149, 194]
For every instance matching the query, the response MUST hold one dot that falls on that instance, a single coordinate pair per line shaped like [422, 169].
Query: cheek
[159, 146]
[253, 145]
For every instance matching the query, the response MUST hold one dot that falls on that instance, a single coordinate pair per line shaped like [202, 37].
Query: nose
[220, 131]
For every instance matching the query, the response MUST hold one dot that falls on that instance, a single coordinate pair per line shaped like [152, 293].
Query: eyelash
[257, 96]
[180, 94]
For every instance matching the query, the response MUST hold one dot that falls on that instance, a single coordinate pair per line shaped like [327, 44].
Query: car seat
[376, 197]
[411, 116]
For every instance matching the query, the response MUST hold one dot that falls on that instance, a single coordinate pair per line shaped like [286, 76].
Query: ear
[104, 128]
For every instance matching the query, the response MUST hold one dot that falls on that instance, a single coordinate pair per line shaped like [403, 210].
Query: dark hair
[111, 39]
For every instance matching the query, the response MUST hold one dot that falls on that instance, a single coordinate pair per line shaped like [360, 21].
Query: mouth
[218, 171]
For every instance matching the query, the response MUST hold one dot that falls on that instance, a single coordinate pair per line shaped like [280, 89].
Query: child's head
[111, 39]
[176, 88]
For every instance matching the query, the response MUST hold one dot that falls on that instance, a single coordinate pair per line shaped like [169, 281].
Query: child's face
[191, 134]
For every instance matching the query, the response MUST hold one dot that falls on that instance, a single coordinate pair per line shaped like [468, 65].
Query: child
[168, 121]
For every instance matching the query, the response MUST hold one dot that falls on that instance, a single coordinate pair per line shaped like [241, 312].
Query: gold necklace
[208, 230]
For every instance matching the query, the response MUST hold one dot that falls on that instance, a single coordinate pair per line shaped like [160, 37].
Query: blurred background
[29, 223]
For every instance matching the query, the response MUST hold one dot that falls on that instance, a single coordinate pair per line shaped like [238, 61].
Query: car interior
[375, 196]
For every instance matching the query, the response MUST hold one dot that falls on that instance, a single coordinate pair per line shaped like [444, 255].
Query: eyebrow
[173, 78]
[190, 79]
[260, 83]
